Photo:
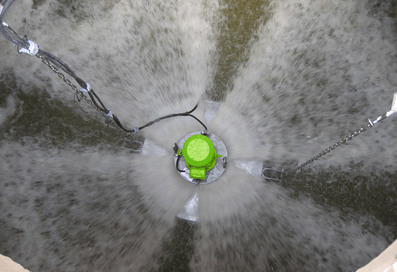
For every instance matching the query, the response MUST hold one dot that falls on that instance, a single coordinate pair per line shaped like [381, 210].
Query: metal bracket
[272, 174]
[176, 148]
[224, 162]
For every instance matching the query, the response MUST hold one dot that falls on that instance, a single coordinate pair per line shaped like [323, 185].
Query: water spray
[200, 157]
[278, 175]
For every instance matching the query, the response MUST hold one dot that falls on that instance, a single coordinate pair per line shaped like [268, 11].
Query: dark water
[293, 77]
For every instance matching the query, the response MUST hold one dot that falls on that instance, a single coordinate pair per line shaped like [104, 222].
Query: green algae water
[292, 77]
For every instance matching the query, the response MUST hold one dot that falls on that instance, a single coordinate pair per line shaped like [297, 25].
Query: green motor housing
[200, 155]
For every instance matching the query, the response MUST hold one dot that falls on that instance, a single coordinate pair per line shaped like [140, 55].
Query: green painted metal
[200, 155]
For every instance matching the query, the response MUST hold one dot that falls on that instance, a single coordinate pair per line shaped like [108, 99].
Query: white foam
[318, 69]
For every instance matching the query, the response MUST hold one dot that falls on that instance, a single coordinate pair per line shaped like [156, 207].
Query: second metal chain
[329, 149]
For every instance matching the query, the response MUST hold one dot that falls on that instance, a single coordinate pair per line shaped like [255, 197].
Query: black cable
[174, 115]
[22, 42]
[7, 32]
[198, 121]
[103, 106]
[63, 66]
[117, 121]
[195, 107]
[177, 164]
[95, 103]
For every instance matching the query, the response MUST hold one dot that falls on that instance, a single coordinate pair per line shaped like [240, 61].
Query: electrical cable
[7, 32]
[177, 164]
[31, 48]
[174, 115]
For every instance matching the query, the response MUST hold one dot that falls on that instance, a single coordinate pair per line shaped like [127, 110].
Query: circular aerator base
[219, 166]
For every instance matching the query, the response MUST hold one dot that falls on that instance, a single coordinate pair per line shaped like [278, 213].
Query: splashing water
[292, 76]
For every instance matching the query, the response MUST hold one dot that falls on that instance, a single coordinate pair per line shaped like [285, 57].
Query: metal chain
[329, 149]
[80, 95]
[278, 175]
[109, 120]
[56, 71]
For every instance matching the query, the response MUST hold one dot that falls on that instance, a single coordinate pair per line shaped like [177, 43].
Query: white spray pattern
[142, 59]
[240, 121]
[318, 71]
[46, 188]
[145, 61]
[308, 61]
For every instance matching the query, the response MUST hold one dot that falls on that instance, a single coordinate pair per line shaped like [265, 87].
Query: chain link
[80, 95]
[329, 149]
[56, 71]
[109, 120]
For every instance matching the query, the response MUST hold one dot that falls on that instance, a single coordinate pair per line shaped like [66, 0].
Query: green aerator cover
[200, 155]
